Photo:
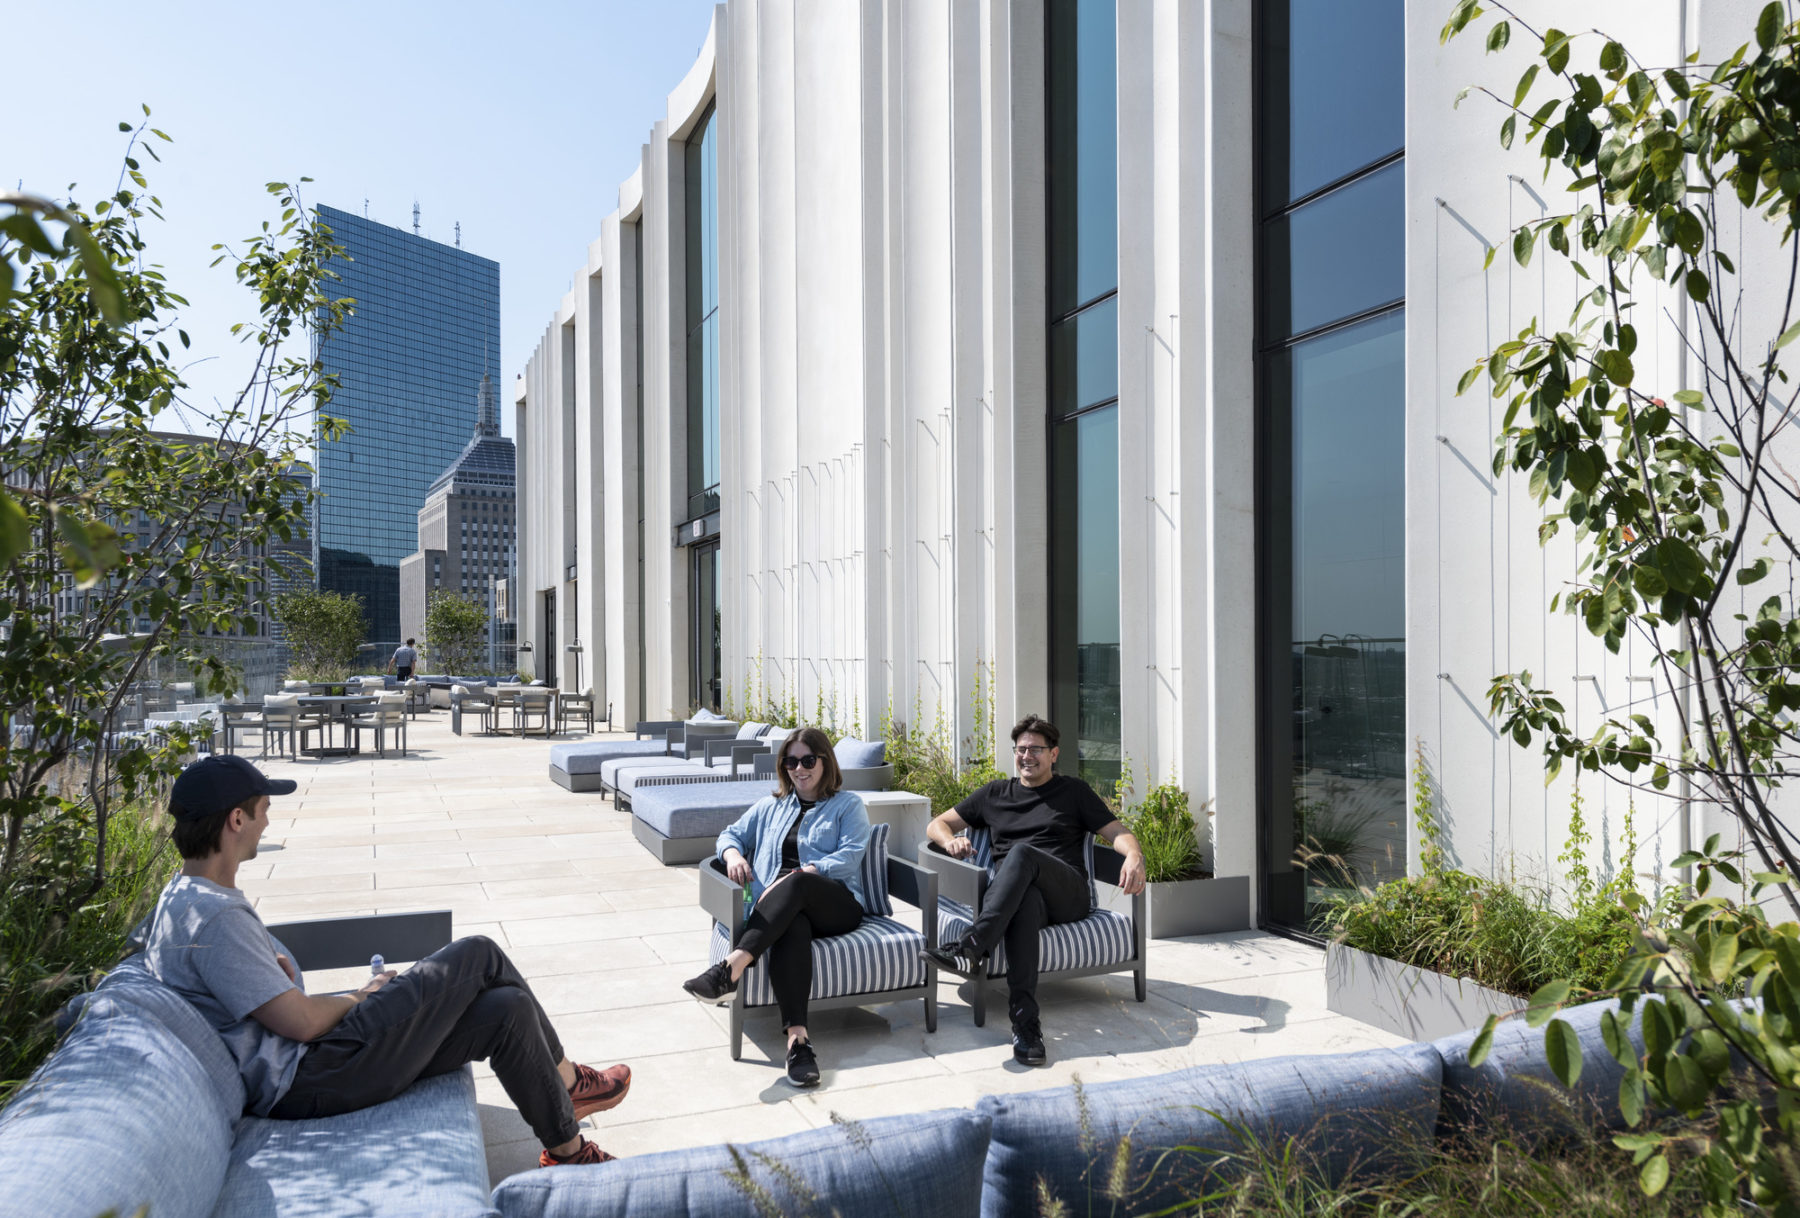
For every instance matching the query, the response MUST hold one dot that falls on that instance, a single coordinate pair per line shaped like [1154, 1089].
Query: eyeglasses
[1030, 750]
[804, 761]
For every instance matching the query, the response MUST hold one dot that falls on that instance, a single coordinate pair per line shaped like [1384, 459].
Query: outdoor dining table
[335, 708]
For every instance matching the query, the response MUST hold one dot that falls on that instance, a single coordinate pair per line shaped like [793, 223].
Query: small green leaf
[1654, 1175]
[15, 529]
[1544, 1004]
[1768, 25]
[1698, 286]
[1562, 1048]
[1467, 379]
[1483, 1043]
[1506, 130]
[1524, 85]
[1523, 240]
[1499, 36]
[1689, 397]
[1788, 335]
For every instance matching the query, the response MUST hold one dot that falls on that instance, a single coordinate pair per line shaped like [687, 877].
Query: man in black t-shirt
[1038, 824]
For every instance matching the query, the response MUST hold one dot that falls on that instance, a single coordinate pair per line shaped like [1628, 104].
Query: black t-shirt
[1054, 817]
[790, 845]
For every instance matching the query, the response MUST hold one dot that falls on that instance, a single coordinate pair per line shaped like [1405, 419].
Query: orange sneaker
[587, 1152]
[598, 1090]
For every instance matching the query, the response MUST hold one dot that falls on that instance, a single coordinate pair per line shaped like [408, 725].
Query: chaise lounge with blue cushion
[679, 815]
[575, 764]
[1103, 942]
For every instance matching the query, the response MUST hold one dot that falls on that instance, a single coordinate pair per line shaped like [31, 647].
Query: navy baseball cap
[219, 782]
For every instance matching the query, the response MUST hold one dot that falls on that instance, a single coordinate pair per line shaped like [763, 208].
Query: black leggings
[463, 1003]
[783, 924]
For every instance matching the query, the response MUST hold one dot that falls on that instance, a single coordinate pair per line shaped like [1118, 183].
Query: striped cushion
[1103, 937]
[881, 954]
[874, 873]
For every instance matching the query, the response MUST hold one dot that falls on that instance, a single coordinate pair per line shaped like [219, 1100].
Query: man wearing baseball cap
[304, 1055]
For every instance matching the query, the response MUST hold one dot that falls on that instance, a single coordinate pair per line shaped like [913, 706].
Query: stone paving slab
[606, 935]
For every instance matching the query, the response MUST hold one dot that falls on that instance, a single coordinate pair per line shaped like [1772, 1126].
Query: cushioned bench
[142, 1104]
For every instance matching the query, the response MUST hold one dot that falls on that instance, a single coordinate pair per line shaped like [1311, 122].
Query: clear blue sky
[519, 122]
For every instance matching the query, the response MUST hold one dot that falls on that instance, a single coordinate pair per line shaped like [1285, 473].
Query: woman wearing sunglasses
[801, 851]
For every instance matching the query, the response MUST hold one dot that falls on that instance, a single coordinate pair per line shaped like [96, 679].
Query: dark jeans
[783, 924]
[463, 1003]
[1031, 890]
[404, 672]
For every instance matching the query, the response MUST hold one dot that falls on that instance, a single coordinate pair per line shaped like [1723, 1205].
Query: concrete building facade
[1101, 356]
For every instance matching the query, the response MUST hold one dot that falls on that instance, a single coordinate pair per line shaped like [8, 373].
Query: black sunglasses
[801, 762]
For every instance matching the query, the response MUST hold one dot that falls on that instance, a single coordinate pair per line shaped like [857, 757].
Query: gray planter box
[1412, 1002]
[1190, 907]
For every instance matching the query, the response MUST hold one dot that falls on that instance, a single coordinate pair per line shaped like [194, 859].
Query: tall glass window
[1331, 446]
[703, 317]
[637, 304]
[1081, 188]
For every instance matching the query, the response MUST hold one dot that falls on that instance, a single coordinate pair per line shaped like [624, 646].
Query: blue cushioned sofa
[576, 764]
[1353, 1113]
[142, 1105]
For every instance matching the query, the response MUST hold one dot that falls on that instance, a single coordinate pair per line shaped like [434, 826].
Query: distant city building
[467, 527]
[425, 327]
[290, 565]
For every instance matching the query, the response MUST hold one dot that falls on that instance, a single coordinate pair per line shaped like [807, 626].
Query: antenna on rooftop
[415, 217]
[459, 234]
[365, 209]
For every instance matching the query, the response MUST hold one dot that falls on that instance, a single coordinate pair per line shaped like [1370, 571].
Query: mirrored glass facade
[409, 360]
[1331, 449]
[1081, 187]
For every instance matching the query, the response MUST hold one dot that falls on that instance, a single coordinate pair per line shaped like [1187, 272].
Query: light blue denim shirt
[832, 839]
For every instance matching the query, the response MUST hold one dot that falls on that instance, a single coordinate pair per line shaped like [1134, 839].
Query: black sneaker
[714, 986]
[952, 958]
[802, 1064]
[1028, 1043]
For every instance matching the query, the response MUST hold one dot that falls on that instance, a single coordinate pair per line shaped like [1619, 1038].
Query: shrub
[324, 629]
[1165, 831]
[455, 631]
[46, 957]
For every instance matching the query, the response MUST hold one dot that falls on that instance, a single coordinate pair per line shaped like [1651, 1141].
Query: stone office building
[467, 524]
[1106, 345]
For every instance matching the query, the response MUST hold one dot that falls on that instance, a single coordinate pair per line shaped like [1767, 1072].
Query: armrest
[916, 885]
[342, 942]
[762, 765]
[716, 749]
[1107, 862]
[673, 741]
[958, 879]
[747, 750]
[648, 728]
[720, 897]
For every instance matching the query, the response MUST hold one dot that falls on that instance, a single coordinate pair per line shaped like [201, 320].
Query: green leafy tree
[324, 632]
[119, 546]
[1680, 508]
[455, 631]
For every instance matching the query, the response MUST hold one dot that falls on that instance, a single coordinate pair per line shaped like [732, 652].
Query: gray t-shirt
[405, 657]
[206, 943]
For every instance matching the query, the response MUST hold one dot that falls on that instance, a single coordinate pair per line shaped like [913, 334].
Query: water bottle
[376, 965]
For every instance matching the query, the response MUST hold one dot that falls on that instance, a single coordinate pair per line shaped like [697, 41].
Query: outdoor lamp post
[576, 648]
[524, 648]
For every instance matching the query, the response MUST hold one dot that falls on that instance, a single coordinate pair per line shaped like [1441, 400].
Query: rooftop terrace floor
[606, 935]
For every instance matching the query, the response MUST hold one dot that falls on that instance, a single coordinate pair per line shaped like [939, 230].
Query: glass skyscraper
[424, 330]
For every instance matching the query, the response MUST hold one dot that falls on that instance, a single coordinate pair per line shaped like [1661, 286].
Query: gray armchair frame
[962, 881]
[908, 882]
[323, 943]
[739, 751]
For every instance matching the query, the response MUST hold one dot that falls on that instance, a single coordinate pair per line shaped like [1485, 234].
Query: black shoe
[1028, 1042]
[952, 958]
[802, 1064]
[714, 986]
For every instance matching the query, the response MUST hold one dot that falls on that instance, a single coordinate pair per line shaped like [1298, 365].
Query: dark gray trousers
[463, 1003]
